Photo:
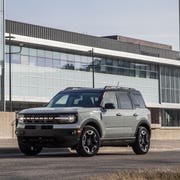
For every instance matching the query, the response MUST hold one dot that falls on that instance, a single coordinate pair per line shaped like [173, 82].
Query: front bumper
[49, 137]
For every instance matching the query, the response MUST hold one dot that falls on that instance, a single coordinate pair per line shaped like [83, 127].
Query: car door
[127, 113]
[112, 119]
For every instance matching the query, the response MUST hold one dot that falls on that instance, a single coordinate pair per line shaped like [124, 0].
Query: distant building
[53, 59]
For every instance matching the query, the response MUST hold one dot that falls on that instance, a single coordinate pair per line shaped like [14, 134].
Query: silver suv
[85, 119]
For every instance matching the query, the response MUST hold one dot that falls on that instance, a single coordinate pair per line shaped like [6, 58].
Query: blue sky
[155, 20]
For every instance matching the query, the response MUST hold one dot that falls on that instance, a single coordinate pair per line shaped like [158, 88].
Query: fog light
[78, 131]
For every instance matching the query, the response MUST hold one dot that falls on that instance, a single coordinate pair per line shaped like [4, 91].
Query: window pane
[56, 63]
[138, 101]
[7, 58]
[56, 55]
[25, 51]
[40, 53]
[41, 62]
[85, 67]
[124, 101]
[70, 57]
[86, 59]
[25, 60]
[62, 101]
[15, 49]
[32, 60]
[63, 56]
[69, 65]
[77, 58]
[33, 52]
[77, 65]
[16, 58]
[110, 97]
[63, 64]
[48, 62]
[48, 54]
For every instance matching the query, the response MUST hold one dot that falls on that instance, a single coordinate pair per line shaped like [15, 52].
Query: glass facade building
[38, 74]
[52, 60]
[170, 84]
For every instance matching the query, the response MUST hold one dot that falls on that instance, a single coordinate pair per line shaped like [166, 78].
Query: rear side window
[124, 100]
[138, 100]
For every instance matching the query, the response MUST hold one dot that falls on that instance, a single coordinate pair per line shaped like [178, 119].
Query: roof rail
[74, 88]
[110, 87]
[118, 87]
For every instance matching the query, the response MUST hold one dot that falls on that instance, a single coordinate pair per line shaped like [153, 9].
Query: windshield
[76, 99]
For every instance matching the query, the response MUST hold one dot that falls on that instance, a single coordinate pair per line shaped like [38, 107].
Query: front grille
[42, 119]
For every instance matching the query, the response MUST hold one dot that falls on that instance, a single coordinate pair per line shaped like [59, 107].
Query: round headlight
[71, 118]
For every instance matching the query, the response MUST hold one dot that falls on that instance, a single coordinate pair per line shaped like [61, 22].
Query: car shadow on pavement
[115, 153]
[49, 155]
[55, 153]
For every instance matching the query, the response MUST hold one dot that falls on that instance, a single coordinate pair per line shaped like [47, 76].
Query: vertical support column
[2, 62]
[159, 84]
[93, 69]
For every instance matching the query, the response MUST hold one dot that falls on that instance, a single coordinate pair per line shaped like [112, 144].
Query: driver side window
[62, 101]
[110, 97]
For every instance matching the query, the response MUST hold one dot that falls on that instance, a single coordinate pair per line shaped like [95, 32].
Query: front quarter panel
[91, 116]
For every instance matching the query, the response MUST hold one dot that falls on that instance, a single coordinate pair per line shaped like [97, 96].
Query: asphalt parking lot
[63, 164]
[53, 165]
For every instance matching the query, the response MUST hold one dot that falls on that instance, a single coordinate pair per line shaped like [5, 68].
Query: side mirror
[109, 106]
[44, 105]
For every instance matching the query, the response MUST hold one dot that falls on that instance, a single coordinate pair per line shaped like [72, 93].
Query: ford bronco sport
[85, 119]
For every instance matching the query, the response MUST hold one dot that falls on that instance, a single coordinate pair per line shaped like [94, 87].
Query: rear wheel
[89, 142]
[29, 149]
[142, 143]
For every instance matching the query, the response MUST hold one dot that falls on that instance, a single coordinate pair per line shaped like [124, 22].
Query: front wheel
[29, 149]
[89, 142]
[142, 143]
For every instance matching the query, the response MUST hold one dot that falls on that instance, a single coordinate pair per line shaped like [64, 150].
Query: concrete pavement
[11, 146]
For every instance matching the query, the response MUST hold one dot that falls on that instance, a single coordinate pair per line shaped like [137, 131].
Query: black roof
[106, 88]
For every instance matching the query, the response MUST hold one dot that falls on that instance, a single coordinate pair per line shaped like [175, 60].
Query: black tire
[29, 149]
[142, 142]
[89, 142]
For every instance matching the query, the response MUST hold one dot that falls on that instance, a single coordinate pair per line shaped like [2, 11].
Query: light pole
[93, 68]
[10, 37]
[2, 61]
[179, 24]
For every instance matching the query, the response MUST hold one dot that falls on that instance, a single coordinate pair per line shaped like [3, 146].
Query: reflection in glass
[32, 52]
[16, 59]
[40, 53]
[56, 63]
[25, 51]
[48, 54]
[52, 59]
[25, 60]
[48, 62]
[56, 55]
[40, 61]
[63, 56]
[32, 60]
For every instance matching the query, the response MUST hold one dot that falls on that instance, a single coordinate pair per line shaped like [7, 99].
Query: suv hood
[46, 110]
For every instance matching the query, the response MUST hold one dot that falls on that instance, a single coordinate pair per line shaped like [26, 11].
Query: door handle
[118, 114]
[135, 115]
